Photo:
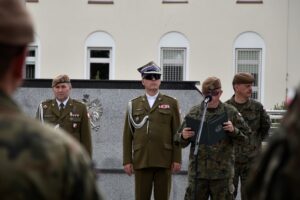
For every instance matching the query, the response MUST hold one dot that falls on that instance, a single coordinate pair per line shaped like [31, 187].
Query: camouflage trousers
[216, 189]
[241, 172]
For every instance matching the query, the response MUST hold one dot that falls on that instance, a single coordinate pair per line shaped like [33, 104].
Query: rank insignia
[45, 106]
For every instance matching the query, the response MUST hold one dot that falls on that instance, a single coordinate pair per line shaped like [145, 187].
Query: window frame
[31, 60]
[99, 60]
[258, 88]
[184, 63]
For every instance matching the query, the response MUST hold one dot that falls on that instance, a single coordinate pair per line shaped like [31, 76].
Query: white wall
[210, 26]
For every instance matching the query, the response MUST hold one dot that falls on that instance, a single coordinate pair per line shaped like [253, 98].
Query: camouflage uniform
[38, 162]
[215, 162]
[276, 176]
[259, 123]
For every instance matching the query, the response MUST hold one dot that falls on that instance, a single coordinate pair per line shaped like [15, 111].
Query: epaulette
[136, 98]
[45, 104]
[77, 101]
[47, 101]
[169, 97]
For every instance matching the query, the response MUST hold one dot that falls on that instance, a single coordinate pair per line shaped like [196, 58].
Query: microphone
[207, 98]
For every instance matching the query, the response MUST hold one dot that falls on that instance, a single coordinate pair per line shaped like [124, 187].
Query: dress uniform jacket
[73, 119]
[152, 144]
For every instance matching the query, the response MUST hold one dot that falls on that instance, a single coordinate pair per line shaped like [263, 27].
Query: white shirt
[64, 102]
[151, 99]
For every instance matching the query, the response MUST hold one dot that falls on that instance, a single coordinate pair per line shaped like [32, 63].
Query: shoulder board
[136, 98]
[75, 101]
[169, 96]
[47, 101]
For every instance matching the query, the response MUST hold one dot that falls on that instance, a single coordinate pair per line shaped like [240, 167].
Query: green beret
[210, 84]
[243, 78]
[16, 27]
[60, 79]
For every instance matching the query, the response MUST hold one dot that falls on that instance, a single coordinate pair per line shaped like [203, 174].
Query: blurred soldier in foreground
[259, 122]
[150, 125]
[36, 162]
[67, 113]
[276, 176]
[212, 174]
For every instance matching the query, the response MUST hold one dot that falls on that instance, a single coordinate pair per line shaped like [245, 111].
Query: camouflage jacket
[276, 176]
[215, 161]
[258, 121]
[38, 162]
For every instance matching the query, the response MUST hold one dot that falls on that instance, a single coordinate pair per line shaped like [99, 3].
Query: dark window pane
[99, 53]
[30, 71]
[254, 95]
[31, 53]
[99, 71]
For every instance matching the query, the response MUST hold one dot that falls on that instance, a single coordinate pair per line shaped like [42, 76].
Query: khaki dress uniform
[150, 146]
[73, 119]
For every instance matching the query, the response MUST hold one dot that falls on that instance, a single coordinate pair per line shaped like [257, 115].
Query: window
[249, 56]
[31, 62]
[173, 53]
[173, 63]
[249, 60]
[99, 63]
[249, 1]
[99, 56]
[100, 1]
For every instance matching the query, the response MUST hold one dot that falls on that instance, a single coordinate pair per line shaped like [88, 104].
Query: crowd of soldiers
[43, 161]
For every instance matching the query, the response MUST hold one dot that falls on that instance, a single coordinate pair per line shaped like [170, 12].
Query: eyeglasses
[152, 76]
[213, 93]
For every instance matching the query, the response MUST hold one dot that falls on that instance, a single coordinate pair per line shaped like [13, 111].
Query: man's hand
[228, 126]
[187, 133]
[128, 168]
[176, 167]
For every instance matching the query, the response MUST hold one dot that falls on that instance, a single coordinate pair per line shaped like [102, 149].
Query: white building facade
[189, 39]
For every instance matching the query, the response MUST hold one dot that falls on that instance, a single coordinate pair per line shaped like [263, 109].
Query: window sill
[174, 1]
[32, 1]
[100, 2]
[249, 2]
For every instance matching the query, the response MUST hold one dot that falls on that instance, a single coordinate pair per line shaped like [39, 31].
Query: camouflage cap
[16, 27]
[210, 84]
[60, 79]
[242, 78]
[149, 68]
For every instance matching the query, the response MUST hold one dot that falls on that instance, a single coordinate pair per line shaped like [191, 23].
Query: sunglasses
[152, 76]
[213, 93]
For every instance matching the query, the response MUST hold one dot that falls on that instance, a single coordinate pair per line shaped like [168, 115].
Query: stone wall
[107, 101]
